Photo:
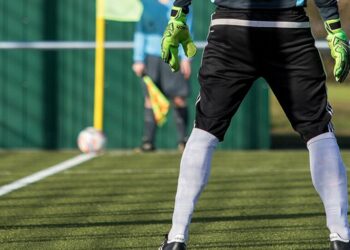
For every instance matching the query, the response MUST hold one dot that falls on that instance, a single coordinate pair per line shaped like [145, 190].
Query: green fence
[46, 96]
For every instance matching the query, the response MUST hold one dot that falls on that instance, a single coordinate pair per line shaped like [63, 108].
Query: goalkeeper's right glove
[339, 44]
[175, 33]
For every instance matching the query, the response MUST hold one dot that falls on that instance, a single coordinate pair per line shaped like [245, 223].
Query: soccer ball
[91, 140]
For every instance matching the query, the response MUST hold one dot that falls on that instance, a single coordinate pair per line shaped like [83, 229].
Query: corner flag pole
[99, 65]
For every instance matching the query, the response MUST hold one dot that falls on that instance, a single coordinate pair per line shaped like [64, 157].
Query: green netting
[47, 96]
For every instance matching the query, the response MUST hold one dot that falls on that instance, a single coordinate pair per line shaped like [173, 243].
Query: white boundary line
[63, 45]
[45, 173]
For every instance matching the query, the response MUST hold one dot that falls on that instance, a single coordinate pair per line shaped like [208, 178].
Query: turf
[255, 200]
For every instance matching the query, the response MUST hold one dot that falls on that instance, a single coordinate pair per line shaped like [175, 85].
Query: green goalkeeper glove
[340, 51]
[175, 33]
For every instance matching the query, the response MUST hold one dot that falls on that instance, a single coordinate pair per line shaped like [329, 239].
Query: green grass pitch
[254, 200]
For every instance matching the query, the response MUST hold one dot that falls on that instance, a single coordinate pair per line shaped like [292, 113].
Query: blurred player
[147, 60]
[270, 39]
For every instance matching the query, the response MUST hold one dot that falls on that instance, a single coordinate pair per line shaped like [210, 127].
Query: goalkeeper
[147, 60]
[270, 39]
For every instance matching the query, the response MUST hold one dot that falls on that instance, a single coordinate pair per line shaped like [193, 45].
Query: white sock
[194, 174]
[329, 178]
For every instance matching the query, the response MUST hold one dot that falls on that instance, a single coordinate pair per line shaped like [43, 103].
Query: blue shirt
[150, 29]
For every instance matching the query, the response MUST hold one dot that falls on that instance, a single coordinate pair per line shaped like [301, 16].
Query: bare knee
[179, 102]
[147, 103]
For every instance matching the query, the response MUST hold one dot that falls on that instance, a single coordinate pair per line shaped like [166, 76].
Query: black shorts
[277, 45]
[171, 84]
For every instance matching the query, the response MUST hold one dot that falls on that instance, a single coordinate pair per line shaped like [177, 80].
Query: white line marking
[45, 173]
[60, 45]
[122, 171]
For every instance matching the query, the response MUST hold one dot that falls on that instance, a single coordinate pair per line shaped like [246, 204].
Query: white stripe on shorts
[198, 99]
[329, 109]
[330, 127]
[261, 24]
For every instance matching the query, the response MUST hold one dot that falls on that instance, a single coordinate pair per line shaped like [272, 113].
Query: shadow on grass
[261, 244]
[167, 221]
[293, 141]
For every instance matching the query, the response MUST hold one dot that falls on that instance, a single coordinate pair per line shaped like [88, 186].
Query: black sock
[150, 126]
[181, 121]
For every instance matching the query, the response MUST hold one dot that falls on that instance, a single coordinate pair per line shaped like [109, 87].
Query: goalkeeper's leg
[220, 97]
[194, 174]
[303, 96]
[330, 180]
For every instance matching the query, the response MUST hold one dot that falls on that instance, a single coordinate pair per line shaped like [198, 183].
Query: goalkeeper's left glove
[177, 32]
[339, 44]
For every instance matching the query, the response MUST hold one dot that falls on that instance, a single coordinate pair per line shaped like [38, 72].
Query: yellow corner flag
[123, 10]
[160, 104]
[117, 10]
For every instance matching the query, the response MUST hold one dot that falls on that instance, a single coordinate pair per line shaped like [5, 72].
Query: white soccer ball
[91, 140]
